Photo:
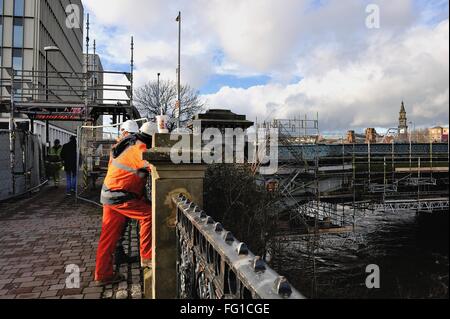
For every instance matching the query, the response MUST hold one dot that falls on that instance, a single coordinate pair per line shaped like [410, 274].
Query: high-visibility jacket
[54, 154]
[126, 177]
[53, 160]
[119, 141]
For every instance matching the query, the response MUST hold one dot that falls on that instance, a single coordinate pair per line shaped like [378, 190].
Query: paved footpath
[41, 236]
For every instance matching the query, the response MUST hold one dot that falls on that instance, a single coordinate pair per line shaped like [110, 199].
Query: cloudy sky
[284, 58]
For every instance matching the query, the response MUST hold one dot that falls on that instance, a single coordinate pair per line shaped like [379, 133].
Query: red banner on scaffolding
[69, 114]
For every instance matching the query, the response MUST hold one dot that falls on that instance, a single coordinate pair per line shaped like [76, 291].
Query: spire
[403, 110]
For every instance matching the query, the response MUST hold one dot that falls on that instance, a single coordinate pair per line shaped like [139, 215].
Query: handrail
[213, 264]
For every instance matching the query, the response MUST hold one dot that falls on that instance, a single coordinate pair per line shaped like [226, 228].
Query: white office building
[26, 28]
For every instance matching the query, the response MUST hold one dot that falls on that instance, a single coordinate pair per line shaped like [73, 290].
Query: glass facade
[17, 59]
[1, 43]
[19, 8]
[18, 33]
[1, 39]
[1, 25]
[18, 67]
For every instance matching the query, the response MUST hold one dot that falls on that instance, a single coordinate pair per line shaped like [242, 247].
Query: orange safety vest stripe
[123, 172]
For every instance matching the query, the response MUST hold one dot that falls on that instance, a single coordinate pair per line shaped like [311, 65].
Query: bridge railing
[213, 264]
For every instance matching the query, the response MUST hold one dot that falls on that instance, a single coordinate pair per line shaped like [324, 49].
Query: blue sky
[267, 58]
[216, 81]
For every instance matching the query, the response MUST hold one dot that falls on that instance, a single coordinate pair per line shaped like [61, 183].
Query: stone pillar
[168, 179]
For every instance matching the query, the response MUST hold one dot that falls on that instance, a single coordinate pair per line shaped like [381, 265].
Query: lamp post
[413, 126]
[178, 106]
[410, 146]
[159, 99]
[47, 50]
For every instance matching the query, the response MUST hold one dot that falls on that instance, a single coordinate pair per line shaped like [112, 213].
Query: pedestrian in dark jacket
[69, 157]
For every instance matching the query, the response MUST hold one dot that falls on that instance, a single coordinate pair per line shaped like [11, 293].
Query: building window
[19, 8]
[1, 6]
[18, 67]
[1, 39]
[17, 59]
[18, 33]
[18, 92]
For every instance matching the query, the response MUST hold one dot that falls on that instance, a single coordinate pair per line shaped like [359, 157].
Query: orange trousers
[114, 217]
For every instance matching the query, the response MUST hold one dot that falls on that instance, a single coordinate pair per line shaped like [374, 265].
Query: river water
[411, 251]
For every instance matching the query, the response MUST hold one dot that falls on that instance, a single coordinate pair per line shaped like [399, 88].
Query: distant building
[445, 135]
[351, 137]
[371, 136]
[402, 124]
[438, 134]
[389, 139]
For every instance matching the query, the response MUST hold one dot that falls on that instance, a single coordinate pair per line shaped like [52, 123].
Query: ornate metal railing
[212, 264]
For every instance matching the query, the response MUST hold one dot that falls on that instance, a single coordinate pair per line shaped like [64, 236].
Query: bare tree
[233, 197]
[148, 104]
[421, 136]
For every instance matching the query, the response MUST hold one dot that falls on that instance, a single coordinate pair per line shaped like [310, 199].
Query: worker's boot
[115, 279]
[123, 258]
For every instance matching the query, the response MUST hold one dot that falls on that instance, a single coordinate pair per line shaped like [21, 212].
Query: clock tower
[403, 124]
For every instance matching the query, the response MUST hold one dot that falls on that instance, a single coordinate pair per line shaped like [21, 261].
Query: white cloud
[256, 33]
[364, 92]
[352, 75]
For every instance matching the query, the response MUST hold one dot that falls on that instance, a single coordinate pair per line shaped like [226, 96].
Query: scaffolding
[305, 214]
[346, 175]
[67, 96]
[324, 187]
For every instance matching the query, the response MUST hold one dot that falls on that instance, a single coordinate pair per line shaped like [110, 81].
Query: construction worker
[126, 129]
[54, 162]
[123, 196]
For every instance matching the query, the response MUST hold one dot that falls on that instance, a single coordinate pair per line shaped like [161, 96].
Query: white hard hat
[130, 126]
[149, 128]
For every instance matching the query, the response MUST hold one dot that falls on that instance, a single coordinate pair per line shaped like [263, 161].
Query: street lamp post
[46, 50]
[178, 106]
[413, 126]
[159, 99]
[410, 146]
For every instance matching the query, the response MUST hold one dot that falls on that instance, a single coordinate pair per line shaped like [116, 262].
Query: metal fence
[27, 171]
[212, 264]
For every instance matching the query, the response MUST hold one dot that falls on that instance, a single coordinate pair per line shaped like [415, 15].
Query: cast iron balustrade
[212, 264]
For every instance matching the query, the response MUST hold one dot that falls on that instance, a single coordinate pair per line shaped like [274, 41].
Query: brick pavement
[41, 236]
